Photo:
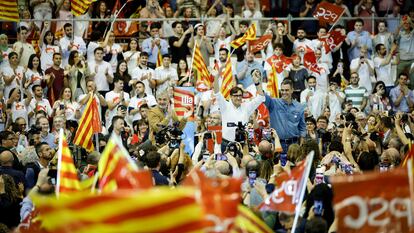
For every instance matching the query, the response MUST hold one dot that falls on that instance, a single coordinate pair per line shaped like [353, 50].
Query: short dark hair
[22, 28]
[117, 79]
[140, 82]
[359, 20]
[115, 118]
[316, 225]
[310, 77]
[67, 25]
[244, 22]
[35, 86]
[287, 81]
[310, 119]
[279, 45]
[156, 25]
[174, 25]
[153, 159]
[4, 135]
[97, 49]
[143, 54]
[224, 49]
[402, 74]
[378, 47]
[167, 55]
[301, 28]
[56, 54]
[11, 54]
[234, 90]
[322, 118]
[39, 147]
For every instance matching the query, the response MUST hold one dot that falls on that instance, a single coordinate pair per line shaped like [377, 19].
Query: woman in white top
[34, 71]
[132, 54]
[17, 106]
[48, 48]
[78, 72]
[112, 51]
[66, 107]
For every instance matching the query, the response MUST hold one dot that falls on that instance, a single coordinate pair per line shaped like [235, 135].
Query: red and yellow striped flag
[9, 10]
[228, 82]
[67, 176]
[157, 211]
[118, 171]
[89, 124]
[408, 156]
[203, 75]
[159, 58]
[250, 34]
[272, 83]
[79, 7]
[246, 221]
[183, 101]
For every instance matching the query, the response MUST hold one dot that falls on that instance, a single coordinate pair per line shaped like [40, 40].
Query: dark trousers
[285, 143]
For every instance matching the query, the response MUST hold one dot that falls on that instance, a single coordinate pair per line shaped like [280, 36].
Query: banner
[309, 61]
[259, 44]
[327, 12]
[373, 202]
[333, 40]
[184, 102]
[279, 62]
[210, 142]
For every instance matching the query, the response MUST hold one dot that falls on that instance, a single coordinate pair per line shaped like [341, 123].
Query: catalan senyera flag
[118, 171]
[183, 101]
[67, 176]
[228, 81]
[155, 211]
[250, 34]
[79, 7]
[246, 221]
[203, 75]
[408, 156]
[9, 10]
[89, 124]
[272, 83]
[159, 58]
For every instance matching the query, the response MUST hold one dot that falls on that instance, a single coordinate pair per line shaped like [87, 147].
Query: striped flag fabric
[246, 221]
[9, 10]
[408, 156]
[249, 35]
[89, 124]
[183, 101]
[118, 171]
[203, 75]
[272, 83]
[79, 7]
[228, 81]
[159, 59]
[67, 175]
[156, 211]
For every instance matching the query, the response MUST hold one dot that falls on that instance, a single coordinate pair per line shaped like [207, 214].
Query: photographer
[234, 110]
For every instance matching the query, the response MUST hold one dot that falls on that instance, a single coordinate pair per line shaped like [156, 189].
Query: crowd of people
[355, 113]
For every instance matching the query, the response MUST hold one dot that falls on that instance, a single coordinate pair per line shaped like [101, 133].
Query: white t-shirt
[43, 105]
[321, 78]
[100, 78]
[114, 97]
[133, 60]
[162, 73]
[70, 108]
[383, 72]
[35, 78]
[114, 50]
[221, 44]
[363, 72]
[5, 55]
[136, 102]
[19, 109]
[46, 56]
[17, 81]
[137, 74]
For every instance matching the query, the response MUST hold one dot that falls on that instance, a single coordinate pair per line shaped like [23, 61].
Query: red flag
[280, 62]
[373, 202]
[408, 156]
[210, 143]
[309, 61]
[219, 198]
[288, 195]
[263, 115]
[333, 40]
[183, 101]
[259, 44]
[96, 119]
[328, 13]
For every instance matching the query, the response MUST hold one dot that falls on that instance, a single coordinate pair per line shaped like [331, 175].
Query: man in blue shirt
[287, 116]
[153, 44]
[244, 70]
[402, 98]
[357, 38]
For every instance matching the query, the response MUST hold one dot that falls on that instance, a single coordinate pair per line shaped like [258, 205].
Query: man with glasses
[287, 116]
[235, 111]
[356, 93]
[402, 98]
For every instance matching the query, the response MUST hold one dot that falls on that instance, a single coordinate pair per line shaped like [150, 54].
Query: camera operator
[162, 115]
[234, 110]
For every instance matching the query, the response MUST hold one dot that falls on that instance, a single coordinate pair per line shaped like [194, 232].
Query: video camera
[240, 135]
[171, 134]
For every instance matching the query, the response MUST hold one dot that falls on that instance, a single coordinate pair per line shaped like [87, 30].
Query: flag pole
[309, 160]
[192, 58]
[333, 25]
[97, 142]
[411, 184]
[59, 165]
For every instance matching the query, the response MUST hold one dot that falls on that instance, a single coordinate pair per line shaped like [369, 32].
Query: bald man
[6, 167]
